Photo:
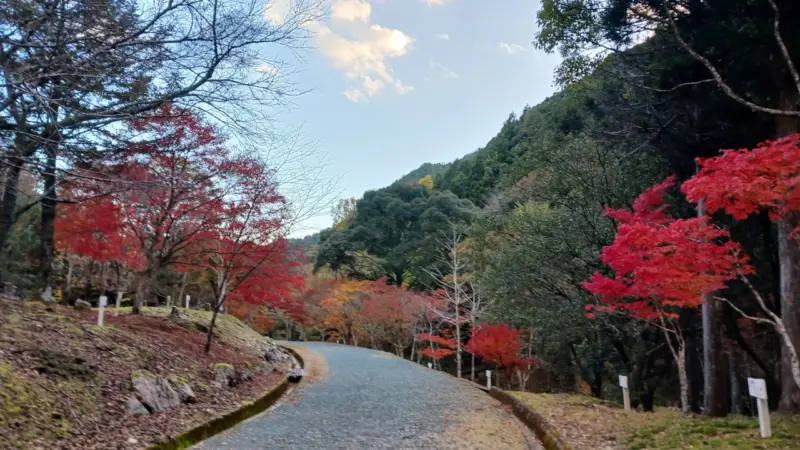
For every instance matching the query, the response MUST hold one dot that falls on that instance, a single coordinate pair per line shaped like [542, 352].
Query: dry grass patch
[488, 426]
[593, 424]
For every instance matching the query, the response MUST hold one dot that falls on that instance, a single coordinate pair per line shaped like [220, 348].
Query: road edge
[221, 423]
[547, 434]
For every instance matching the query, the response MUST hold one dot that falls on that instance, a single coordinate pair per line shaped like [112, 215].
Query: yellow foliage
[343, 304]
[426, 181]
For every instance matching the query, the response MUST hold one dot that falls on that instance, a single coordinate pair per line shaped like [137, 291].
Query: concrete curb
[550, 437]
[222, 423]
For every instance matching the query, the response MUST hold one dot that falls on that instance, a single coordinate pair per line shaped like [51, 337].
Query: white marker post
[103, 301]
[169, 301]
[626, 395]
[488, 379]
[188, 298]
[430, 366]
[758, 389]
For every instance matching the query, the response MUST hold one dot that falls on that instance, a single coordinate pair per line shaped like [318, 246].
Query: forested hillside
[514, 233]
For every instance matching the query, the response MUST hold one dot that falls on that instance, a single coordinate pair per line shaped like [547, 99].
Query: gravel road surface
[373, 400]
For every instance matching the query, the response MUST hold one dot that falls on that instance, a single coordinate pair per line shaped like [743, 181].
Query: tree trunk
[683, 378]
[219, 301]
[103, 283]
[48, 217]
[736, 387]
[458, 347]
[210, 333]
[184, 280]
[9, 207]
[789, 257]
[68, 283]
[472, 367]
[715, 400]
[142, 292]
[597, 380]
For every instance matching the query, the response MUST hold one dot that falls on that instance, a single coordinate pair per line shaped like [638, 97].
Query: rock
[64, 365]
[296, 373]
[176, 314]
[183, 388]
[136, 407]
[244, 373]
[274, 354]
[132, 441]
[82, 305]
[225, 374]
[154, 392]
[10, 291]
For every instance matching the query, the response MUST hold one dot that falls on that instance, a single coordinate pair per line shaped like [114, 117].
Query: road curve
[373, 400]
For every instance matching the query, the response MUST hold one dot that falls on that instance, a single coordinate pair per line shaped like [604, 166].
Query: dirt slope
[65, 383]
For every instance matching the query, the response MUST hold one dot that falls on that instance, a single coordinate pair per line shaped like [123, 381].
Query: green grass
[594, 423]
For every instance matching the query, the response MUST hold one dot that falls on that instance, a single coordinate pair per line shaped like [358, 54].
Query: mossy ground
[64, 381]
[227, 329]
[595, 424]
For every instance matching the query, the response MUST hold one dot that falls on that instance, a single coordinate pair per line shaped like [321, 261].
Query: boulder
[82, 305]
[155, 393]
[274, 354]
[10, 291]
[183, 388]
[244, 373]
[136, 407]
[225, 374]
[296, 373]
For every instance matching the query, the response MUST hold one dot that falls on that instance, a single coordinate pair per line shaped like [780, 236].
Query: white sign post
[169, 301]
[758, 389]
[626, 395]
[488, 379]
[187, 300]
[430, 366]
[103, 301]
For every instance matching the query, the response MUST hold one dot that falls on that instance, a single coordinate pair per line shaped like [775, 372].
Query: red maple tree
[499, 344]
[742, 182]
[661, 265]
[92, 229]
[440, 346]
[767, 178]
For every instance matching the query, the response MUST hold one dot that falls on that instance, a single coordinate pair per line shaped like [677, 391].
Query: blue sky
[397, 83]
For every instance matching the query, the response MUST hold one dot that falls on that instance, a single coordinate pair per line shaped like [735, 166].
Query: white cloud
[354, 45]
[432, 3]
[363, 58]
[277, 10]
[443, 36]
[351, 10]
[443, 71]
[268, 68]
[511, 48]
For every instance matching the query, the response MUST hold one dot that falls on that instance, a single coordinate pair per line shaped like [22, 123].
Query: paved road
[372, 400]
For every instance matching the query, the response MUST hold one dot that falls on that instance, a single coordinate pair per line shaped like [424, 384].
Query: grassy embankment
[65, 382]
[593, 424]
